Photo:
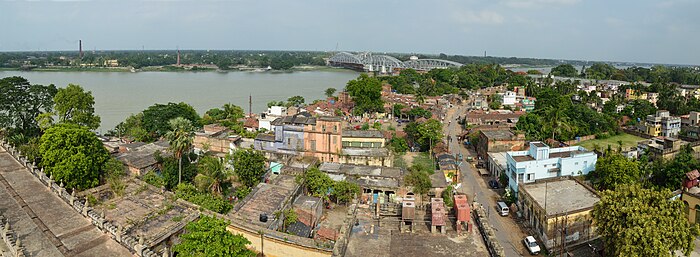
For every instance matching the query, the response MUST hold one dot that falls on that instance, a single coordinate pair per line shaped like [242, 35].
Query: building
[266, 118]
[501, 117]
[363, 139]
[528, 104]
[478, 102]
[216, 139]
[691, 196]
[662, 124]
[542, 162]
[690, 125]
[303, 135]
[380, 183]
[501, 140]
[653, 98]
[559, 208]
[497, 163]
[507, 98]
[141, 159]
[665, 148]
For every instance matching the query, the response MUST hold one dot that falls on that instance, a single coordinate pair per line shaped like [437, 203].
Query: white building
[541, 162]
[272, 113]
[508, 98]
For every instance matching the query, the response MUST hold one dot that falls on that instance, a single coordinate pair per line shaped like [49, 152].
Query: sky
[649, 31]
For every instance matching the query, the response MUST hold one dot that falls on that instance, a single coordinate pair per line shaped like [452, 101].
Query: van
[502, 208]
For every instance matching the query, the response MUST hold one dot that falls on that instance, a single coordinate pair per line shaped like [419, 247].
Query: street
[474, 185]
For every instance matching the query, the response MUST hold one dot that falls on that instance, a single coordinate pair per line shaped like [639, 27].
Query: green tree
[74, 105]
[344, 191]
[211, 174]
[634, 221]
[448, 196]
[180, 137]
[495, 104]
[223, 63]
[419, 179]
[316, 182]
[330, 91]
[290, 217]
[670, 174]
[398, 144]
[74, 155]
[367, 93]
[208, 237]
[564, 70]
[296, 101]
[419, 112]
[612, 170]
[21, 103]
[425, 134]
[156, 118]
[189, 192]
[249, 166]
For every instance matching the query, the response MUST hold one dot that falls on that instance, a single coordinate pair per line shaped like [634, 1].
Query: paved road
[508, 232]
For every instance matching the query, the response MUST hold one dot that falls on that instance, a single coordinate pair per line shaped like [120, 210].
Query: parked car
[494, 184]
[531, 245]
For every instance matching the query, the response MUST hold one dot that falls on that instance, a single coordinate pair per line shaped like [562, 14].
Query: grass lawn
[627, 142]
[410, 158]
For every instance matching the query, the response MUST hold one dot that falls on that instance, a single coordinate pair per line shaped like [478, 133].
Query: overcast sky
[661, 31]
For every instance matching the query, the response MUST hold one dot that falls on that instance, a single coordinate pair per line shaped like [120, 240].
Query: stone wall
[11, 239]
[481, 220]
[135, 245]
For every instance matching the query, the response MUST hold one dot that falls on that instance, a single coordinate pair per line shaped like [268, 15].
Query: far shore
[175, 69]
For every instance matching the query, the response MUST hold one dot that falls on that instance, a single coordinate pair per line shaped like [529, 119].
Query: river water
[119, 94]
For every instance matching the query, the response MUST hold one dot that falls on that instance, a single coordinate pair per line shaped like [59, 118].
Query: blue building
[541, 162]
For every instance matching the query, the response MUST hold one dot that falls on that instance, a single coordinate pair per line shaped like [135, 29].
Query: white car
[531, 245]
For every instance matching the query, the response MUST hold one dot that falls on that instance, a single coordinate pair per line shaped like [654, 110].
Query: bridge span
[385, 63]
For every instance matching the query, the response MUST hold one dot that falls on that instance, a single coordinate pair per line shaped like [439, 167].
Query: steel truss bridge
[386, 64]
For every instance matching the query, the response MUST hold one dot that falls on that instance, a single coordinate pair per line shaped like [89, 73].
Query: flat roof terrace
[45, 224]
[562, 195]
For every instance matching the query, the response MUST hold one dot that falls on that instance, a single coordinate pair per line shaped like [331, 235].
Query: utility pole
[250, 105]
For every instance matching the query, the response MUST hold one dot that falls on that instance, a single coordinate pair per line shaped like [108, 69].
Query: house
[365, 147]
[141, 159]
[497, 163]
[382, 184]
[363, 139]
[541, 162]
[303, 135]
[665, 148]
[691, 196]
[216, 139]
[662, 124]
[552, 204]
[690, 125]
[507, 98]
[266, 118]
[504, 117]
[502, 140]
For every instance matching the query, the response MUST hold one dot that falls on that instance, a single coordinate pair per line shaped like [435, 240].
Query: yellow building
[111, 63]
[559, 211]
[363, 139]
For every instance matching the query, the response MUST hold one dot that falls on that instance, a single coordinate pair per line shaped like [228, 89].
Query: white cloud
[480, 17]
[535, 3]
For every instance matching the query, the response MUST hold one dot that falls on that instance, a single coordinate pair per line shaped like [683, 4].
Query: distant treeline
[226, 58]
[655, 74]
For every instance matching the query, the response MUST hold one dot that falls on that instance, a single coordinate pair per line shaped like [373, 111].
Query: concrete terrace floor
[46, 225]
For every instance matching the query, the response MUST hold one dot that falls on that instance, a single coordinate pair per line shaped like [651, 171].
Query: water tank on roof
[263, 217]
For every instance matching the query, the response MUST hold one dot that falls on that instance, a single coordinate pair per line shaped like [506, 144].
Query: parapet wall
[492, 244]
[11, 239]
[135, 245]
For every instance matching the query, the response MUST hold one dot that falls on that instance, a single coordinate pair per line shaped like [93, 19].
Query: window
[530, 177]
[520, 177]
[313, 145]
[335, 128]
[289, 141]
[323, 128]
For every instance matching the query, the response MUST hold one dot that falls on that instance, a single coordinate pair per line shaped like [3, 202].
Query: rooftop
[565, 195]
[363, 133]
[501, 134]
[373, 152]
[361, 170]
[265, 198]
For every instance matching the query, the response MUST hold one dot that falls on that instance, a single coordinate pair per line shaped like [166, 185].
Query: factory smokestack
[80, 48]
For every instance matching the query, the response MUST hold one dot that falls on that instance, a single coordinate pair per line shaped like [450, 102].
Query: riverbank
[175, 69]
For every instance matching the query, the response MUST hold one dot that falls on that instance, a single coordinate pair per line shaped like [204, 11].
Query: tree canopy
[634, 221]
[419, 179]
[74, 105]
[156, 118]
[424, 134]
[564, 70]
[21, 103]
[74, 155]
[249, 166]
[208, 237]
[615, 169]
[367, 93]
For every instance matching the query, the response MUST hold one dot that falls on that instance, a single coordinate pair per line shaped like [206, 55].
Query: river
[119, 94]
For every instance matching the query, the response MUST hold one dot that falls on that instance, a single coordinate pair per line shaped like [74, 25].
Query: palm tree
[180, 138]
[558, 121]
[212, 174]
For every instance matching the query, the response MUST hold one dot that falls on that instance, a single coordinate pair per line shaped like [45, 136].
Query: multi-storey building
[541, 162]
[662, 124]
